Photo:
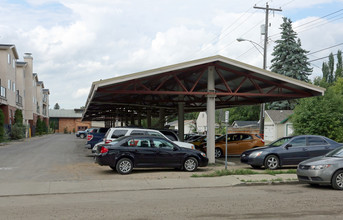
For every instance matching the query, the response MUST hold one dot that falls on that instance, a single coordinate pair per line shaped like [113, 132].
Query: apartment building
[21, 89]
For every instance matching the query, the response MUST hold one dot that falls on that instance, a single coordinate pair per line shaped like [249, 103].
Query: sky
[77, 42]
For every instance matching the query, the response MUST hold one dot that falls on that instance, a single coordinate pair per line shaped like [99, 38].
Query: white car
[114, 133]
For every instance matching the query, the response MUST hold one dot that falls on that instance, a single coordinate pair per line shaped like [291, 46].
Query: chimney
[29, 60]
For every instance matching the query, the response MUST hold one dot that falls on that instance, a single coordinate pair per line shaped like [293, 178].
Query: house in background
[277, 124]
[69, 120]
[201, 123]
[188, 129]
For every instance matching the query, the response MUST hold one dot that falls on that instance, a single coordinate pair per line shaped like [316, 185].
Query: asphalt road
[250, 202]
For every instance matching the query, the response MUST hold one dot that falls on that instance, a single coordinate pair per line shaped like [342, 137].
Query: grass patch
[227, 173]
[218, 173]
[274, 172]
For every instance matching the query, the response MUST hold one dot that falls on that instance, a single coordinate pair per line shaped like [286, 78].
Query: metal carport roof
[236, 84]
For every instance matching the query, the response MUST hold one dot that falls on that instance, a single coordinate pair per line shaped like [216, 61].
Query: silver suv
[114, 133]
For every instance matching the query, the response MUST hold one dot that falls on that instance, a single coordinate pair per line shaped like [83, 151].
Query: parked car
[236, 144]
[288, 151]
[95, 137]
[323, 170]
[128, 152]
[83, 134]
[114, 133]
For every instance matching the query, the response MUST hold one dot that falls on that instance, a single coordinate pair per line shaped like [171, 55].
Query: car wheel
[271, 162]
[82, 136]
[337, 180]
[218, 152]
[124, 166]
[190, 164]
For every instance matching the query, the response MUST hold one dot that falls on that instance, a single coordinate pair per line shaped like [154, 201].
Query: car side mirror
[288, 146]
[175, 148]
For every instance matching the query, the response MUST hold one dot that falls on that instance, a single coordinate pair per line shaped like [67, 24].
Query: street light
[264, 67]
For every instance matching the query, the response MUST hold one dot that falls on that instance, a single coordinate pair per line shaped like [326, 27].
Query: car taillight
[103, 150]
[108, 141]
[89, 137]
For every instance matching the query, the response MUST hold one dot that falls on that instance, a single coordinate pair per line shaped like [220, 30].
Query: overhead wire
[226, 32]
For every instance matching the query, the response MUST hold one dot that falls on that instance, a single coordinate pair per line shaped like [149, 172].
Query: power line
[325, 49]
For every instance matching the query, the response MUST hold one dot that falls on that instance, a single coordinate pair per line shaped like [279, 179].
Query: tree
[57, 106]
[244, 113]
[18, 117]
[289, 60]
[18, 129]
[2, 129]
[321, 115]
[339, 65]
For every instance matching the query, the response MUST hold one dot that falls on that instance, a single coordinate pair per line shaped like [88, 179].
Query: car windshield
[338, 152]
[279, 142]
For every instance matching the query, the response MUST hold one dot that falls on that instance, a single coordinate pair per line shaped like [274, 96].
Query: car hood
[321, 160]
[184, 144]
[265, 148]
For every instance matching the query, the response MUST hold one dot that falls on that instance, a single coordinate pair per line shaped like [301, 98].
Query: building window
[13, 63]
[9, 58]
[13, 86]
[9, 84]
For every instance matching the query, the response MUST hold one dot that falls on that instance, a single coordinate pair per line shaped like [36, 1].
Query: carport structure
[199, 85]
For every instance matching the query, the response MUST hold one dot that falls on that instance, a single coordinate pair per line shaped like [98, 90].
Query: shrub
[17, 132]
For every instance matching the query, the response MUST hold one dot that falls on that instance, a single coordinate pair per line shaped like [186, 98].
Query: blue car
[288, 151]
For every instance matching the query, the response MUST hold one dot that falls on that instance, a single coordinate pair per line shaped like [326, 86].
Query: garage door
[269, 133]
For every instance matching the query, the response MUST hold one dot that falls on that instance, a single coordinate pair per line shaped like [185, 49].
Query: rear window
[118, 133]
[312, 141]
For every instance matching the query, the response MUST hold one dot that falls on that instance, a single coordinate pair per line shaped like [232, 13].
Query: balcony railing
[19, 100]
[3, 92]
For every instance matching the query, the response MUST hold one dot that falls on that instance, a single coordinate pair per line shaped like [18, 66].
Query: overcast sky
[77, 42]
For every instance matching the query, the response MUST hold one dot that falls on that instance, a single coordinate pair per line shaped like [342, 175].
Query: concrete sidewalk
[66, 187]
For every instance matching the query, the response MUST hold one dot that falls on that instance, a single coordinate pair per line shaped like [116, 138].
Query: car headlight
[255, 154]
[320, 167]
[203, 154]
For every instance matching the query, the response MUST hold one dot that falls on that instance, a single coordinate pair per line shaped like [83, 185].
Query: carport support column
[162, 116]
[181, 120]
[148, 118]
[211, 107]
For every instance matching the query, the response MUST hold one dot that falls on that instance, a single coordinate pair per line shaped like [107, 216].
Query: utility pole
[265, 59]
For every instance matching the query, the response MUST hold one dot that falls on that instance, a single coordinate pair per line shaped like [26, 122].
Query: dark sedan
[288, 151]
[128, 152]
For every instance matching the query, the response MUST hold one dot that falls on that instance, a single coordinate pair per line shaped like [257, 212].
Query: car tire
[82, 136]
[218, 152]
[271, 162]
[124, 166]
[337, 180]
[190, 164]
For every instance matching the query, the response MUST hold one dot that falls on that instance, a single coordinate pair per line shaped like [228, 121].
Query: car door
[294, 151]
[167, 156]
[233, 144]
[317, 146]
[143, 151]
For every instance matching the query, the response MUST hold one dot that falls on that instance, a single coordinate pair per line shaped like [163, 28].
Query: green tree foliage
[40, 128]
[244, 113]
[289, 60]
[321, 115]
[18, 117]
[18, 129]
[2, 128]
[339, 65]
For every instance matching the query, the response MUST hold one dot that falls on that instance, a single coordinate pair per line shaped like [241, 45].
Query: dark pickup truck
[95, 137]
